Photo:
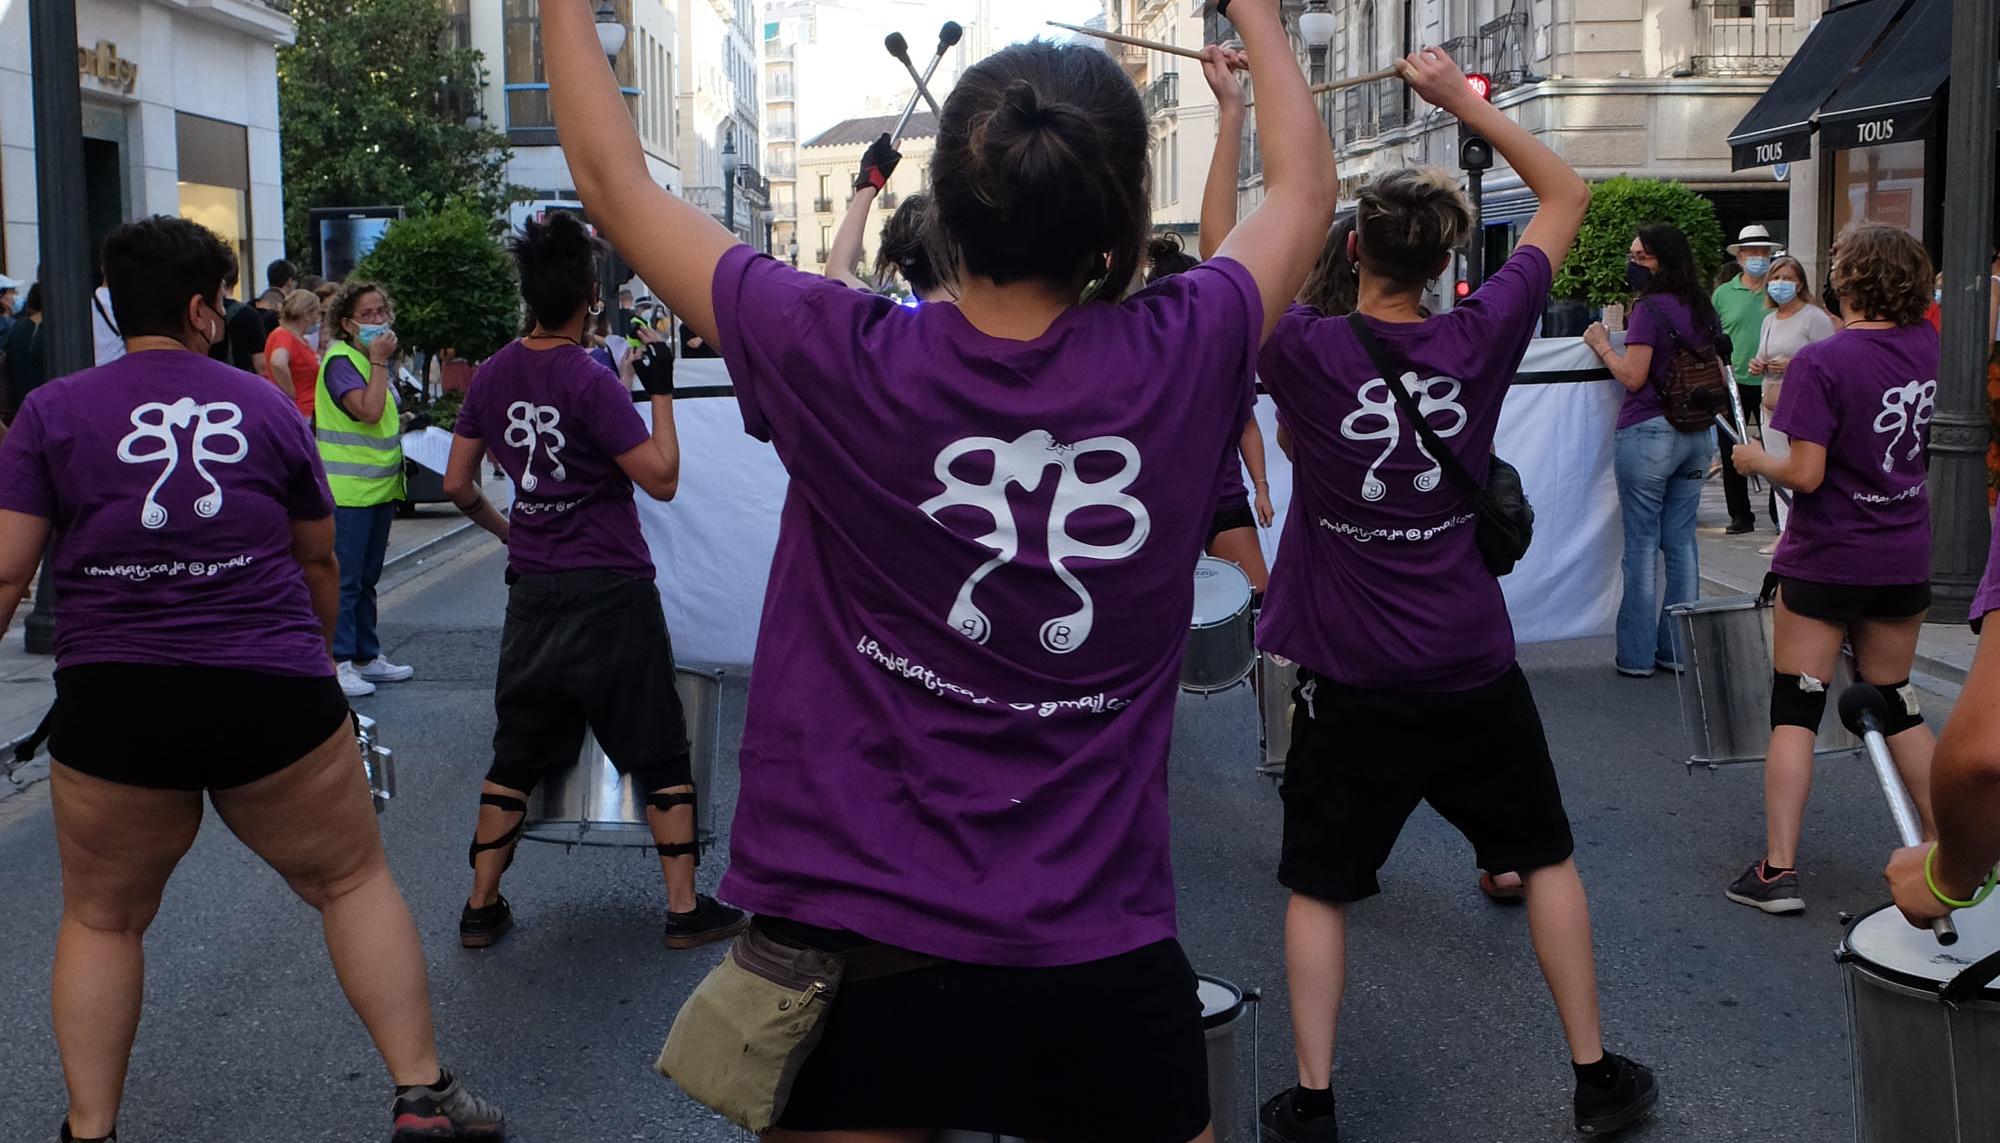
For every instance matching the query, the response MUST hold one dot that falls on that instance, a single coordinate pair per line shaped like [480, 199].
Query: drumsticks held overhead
[1190, 53]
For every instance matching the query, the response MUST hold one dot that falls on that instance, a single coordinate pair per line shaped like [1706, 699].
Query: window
[458, 25]
[214, 162]
[529, 120]
[1880, 184]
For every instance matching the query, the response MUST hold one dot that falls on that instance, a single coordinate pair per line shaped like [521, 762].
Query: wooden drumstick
[1135, 41]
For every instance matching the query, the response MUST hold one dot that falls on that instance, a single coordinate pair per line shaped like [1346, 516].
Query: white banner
[713, 544]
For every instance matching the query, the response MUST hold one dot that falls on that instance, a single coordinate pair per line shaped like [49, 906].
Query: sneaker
[483, 928]
[1638, 673]
[1740, 528]
[1775, 895]
[380, 670]
[1281, 1124]
[1602, 1110]
[351, 683]
[710, 921]
[66, 1137]
[445, 1110]
[1670, 666]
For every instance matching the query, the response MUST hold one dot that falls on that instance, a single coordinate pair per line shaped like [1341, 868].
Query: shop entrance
[105, 174]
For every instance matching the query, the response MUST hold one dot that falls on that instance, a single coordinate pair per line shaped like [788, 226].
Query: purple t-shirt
[1867, 396]
[964, 688]
[1230, 491]
[343, 378]
[557, 423]
[172, 481]
[1378, 583]
[1643, 328]
[1987, 599]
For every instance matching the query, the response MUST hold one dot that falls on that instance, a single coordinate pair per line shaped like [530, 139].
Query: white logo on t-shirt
[1376, 402]
[1023, 463]
[1906, 409]
[155, 422]
[528, 426]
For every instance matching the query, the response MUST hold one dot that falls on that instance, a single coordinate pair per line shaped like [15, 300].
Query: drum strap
[513, 806]
[1968, 984]
[663, 802]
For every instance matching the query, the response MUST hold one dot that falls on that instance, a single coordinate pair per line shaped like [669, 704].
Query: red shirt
[304, 365]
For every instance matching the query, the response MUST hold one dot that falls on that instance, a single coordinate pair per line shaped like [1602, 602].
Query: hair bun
[1021, 106]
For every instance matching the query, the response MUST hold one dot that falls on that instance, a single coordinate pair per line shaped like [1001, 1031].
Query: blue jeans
[360, 543]
[1660, 474]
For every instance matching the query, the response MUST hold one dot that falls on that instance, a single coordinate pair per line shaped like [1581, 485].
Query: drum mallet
[948, 36]
[1861, 711]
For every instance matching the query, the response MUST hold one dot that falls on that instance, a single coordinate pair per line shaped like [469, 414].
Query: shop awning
[1779, 128]
[1893, 96]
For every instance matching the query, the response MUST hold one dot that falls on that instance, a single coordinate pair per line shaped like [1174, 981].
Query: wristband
[1930, 881]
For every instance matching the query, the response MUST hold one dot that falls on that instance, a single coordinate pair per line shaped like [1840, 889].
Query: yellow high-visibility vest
[364, 462]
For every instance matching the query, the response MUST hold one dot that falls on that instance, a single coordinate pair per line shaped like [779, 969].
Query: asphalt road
[1448, 1033]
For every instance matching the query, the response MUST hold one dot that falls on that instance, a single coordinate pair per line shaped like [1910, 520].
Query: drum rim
[1236, 616]
[1850, 957]
[1226, 1015]
[1718, 603]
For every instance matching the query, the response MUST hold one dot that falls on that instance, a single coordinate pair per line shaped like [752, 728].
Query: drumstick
[1190, 53]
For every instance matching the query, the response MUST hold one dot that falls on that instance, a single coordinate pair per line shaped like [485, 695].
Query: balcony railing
[1163, 94]
[1373, 109]
[821, 255]
[781, 131]
[1745, 37]
[822, 205]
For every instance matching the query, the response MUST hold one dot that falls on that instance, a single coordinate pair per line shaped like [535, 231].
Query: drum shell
[1725, 690]
[592, 803]
[1922, 1070]
[1221, 649]
[1276, 676]
[378, 762]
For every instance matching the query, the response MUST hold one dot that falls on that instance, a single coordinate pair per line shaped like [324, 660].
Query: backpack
[1696, 389]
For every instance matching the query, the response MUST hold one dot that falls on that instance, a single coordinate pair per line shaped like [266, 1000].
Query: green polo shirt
[1742, 312]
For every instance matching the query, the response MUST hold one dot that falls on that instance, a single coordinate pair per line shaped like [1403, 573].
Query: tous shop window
[215, 182]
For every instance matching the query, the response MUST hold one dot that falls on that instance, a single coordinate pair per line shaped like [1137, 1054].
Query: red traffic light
[1481, 84]
[1463, 290]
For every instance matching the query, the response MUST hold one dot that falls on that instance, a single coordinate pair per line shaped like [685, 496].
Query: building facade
[1179, 105]
[516, 97]
[721, 111]
[1642, 87]
[180, 117]
[828, 164]
[786, 25]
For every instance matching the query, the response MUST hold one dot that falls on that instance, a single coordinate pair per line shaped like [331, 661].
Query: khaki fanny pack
[746, 1030]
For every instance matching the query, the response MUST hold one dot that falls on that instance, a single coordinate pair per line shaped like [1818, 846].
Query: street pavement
[1447, 1035]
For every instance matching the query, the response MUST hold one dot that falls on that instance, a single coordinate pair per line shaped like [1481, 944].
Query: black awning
[1893, 97]
[1779, 128]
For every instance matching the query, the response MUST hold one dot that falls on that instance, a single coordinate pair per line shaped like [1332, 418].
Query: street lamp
[610, 33]
[729, 182]
[1317, 26]
[611, 36]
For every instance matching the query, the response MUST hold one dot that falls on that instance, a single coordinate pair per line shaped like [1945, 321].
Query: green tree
[1595, 268]
[452, 284]
[373, 102]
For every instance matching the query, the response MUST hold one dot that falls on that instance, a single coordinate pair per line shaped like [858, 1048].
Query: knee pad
[1904, 713]
[1797, 700]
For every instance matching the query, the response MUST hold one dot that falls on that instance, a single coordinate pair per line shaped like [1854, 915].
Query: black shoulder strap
[98, 304]
[1392, 377]
[1666, 323]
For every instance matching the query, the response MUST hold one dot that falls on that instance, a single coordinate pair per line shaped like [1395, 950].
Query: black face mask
[1638, 277]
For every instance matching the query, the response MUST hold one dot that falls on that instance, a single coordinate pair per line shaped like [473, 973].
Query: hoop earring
[597, 307]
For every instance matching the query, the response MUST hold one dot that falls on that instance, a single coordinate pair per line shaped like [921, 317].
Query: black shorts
[1845, 603]
[189, 728]
[1107, 1050]
[1229, 518]
[1361, 760]
[587, 649]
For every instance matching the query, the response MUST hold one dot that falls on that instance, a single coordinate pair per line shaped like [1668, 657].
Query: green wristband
[1930, 881]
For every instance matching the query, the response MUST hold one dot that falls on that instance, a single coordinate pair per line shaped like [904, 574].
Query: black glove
[655, 369]
[878, 164]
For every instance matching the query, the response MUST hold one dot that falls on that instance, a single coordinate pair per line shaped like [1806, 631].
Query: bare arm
[462, 485]
[1252, 446]
[672, 244]
[278, 367]
[847, 244]
[1218, 196]
[1281, 239]
[1801, 471]
[1965, 794]
[368, 403]
[22, 538]
[1631, 368]
[312, 547]
[656, 465]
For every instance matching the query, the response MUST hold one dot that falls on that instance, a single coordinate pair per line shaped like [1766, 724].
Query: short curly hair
[1409, 220]
[1882, 273]
[346, 299]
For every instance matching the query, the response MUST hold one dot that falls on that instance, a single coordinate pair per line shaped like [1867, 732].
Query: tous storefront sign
[107, 67]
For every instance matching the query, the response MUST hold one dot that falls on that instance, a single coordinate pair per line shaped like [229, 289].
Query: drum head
[1884, 941]
[1221, 591]
[1220, 1000]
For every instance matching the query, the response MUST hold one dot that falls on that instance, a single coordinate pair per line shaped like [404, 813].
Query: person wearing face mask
[358, 427]
[1740, 304]
[1791, 323]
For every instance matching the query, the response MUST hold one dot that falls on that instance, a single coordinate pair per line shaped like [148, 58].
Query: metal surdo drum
[378, 762]
[1926, 1028]
[1221, 650]
[592, 803]
[1725, 690]
[1276, 676]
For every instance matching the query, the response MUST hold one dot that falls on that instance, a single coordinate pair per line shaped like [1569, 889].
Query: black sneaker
[445, 1110]
[483, 928]
[66, 1137]
[1779, 894]
[1281, 1123]
[1603, 1110]
[1740, 528]
[710, 921]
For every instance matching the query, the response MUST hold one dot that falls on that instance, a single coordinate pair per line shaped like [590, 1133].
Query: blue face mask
[1782, 291]
[1756, 267]
[368, 333]
[1937, 296]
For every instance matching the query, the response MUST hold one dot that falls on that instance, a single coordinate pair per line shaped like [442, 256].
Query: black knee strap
[663, 801]
[1904, 713]
[679, 849]
[1797, 700]
[506, 840]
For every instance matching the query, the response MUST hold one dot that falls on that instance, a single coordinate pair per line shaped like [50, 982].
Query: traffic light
[1474, 152]
[1482, 85]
